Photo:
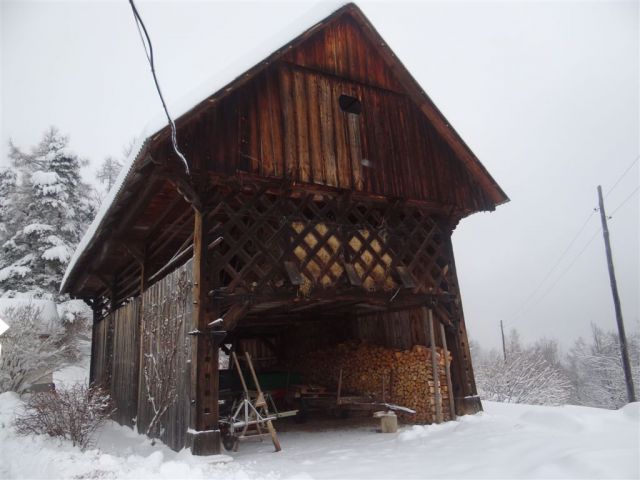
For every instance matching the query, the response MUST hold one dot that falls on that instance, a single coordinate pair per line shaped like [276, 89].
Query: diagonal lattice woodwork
[299, 242]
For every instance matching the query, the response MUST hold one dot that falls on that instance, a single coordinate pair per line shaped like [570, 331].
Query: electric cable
[624, 201]
[149, 53]
[522, 308]
[622, 176]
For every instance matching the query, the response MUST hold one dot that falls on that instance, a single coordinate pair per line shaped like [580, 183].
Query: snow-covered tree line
[590, 373]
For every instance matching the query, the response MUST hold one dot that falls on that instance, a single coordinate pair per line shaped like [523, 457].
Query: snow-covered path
[505, 441]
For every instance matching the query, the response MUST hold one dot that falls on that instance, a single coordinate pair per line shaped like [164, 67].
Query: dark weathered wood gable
[287, 122]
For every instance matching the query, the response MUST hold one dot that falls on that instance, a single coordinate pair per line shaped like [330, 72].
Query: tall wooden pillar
[111, 319]
[94, 323]
[144, 277]
[466, 396]
[203, 435]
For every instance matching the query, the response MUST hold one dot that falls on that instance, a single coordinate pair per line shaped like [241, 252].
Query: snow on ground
[505, 441]
[76, 372]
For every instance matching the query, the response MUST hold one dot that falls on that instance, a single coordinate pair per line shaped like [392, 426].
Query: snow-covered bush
[528, 375]
[596, 368]
[29, 351]
[74, 414]
[76, 317]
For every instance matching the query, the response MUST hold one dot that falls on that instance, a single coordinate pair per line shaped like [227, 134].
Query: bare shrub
[74, 413]
[27, 353]
[528, 375]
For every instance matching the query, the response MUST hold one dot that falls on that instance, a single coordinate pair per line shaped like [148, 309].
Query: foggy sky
[546, 94]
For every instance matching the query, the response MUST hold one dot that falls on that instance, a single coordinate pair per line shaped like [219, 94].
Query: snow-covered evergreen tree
[8, 186]
[55, 207]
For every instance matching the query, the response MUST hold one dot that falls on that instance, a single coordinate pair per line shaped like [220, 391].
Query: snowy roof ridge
[216, 83]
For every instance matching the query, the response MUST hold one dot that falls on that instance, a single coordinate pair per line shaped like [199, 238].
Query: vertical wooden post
[626, 364]
[203, 435]
[462, 379]
[110, 333]
[435, 370]
[96, 318]
[447, 366]
[504, 348]
[144, 274]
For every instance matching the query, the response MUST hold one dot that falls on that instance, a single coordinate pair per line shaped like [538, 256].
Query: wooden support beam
[467, 399]
[92, 365]
[203, 435]
[447, 366]
[110, 332]
[138, 204]
[428, 316]
[235, 314]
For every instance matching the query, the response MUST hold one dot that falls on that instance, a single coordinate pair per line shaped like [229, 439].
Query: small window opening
[350, 104]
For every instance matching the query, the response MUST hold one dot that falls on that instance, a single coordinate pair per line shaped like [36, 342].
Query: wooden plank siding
[172, 296]
[124, 379]
[100, 374]
[342, 50]
[400, 329]
[287, 123]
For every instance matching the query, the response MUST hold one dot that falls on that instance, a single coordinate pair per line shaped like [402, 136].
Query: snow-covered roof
[222, 79]
[47, 308]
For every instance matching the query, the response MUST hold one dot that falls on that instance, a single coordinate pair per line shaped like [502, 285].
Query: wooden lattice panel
[318, 255]
[305, 242]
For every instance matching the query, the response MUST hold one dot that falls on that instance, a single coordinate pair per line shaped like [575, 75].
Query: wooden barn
[315, 220]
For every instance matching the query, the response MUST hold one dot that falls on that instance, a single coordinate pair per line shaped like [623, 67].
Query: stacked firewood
[400, 377]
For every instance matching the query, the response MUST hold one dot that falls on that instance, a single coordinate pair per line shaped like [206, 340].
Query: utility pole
[504, 350]
[624, 351]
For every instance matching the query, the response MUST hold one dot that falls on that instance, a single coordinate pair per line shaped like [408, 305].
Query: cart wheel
[228, 441]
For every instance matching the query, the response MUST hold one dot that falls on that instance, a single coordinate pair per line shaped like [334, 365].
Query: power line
[622, 176]
[554, 266]
[564, 272]
[575, 259]
[149, 54]
[625, 201]
[523, 307]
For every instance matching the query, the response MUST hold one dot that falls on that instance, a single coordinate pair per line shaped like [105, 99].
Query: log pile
[395, 376]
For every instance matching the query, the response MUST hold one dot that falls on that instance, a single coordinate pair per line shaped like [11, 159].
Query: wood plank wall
[287, 123]
[126, 354]
[168, 300]
[100, 375]
[402, 329]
